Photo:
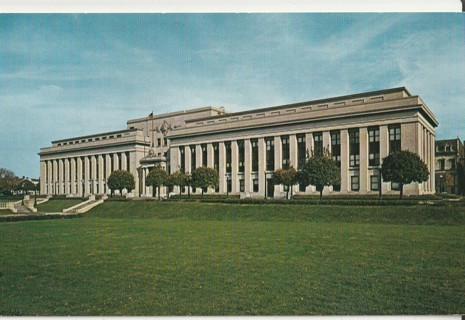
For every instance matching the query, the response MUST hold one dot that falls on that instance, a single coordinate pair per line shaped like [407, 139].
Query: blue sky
[66, 75]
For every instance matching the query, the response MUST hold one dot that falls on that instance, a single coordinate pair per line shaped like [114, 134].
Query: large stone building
[246, 147]
[450, 159]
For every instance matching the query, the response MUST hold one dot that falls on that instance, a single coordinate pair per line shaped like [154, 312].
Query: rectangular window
[165, 141]
[227, 146]
[254, 143]
[452, 164]
[158, 142]
[301, 151]
[395, 186]
[204, 155]
[286, 152]
[269, 154]
[394, 138]
[229, 185]
[216, 157]
[354, 183]
[255, 185]
[442, 164]
[373, 146]
[183, 159]
[241, 151]
[374, 183]
[241, 185]
[318, 144]
[354, 148]
[336, 147]
[193, 158]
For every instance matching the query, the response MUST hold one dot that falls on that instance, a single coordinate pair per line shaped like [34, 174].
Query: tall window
[354, 183]
[254, 143]
[318, 144]
[301, 151]
[241, 150]
[241, 185]
[452, 164]
[193, 158]
[269, 154]
[286, 152]
[374, 183]
[394, 138]
[255, 185]
[183, 159]
[354, 148]
[204, 155]
[373, 146]
[128, 161]
[227, 145]
[336, 147]
[442, 164]
[216, 157]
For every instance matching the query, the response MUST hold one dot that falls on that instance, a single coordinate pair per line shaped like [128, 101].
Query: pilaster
[67, 176]
[345, 182]
[248, 165]
[234, 167]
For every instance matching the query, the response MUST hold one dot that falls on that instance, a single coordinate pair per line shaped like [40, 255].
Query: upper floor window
[394, 138]
[373, 146]
[318, 144]
[354, 148]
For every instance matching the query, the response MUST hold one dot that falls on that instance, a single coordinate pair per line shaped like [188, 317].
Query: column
[234, 167]
[124, 162]
[222, 166]
[174, 160]
[107, 169]
[93, 175]
[73, 177]
[248, 165]
[79, 177]
[209, 163]
[198, 156]
[67, 177]
[363, 132]
[50, 176]
[309, 143]
[345, 182]
[43, 176]
[278, 159]
[327, 141]
[86, 175]
[55, 177]
[115, 162]
[100, 173]
[60, 177]
[261, 166]
[384, 151]
[187, 158]
[293, 150]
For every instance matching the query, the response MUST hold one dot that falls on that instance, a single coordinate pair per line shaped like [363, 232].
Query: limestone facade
[246, 147]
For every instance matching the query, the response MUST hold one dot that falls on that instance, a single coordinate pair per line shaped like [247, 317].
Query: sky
[66, 75]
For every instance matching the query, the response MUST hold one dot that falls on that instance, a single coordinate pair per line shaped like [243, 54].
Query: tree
[156, 179]
[286, 177]
[178, 178]
[404, 167]
[204, 177]
[121, 179]
[319, 171]
[445, 181]
[8, 181]
[461, 178]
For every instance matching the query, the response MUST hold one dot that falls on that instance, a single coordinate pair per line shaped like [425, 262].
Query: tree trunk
[202, 193]
[321, 194]
[159, 197]
[189, 191]
[287, 194]
[401, 190]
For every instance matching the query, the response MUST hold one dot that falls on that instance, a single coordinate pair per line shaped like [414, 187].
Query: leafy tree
[156, 178]
[286, 177]
[8, 181]
[404, 167]
[319, 171]
[25, 186]
[445, 181]
[178, 178]
[121, 179]
[204, 177]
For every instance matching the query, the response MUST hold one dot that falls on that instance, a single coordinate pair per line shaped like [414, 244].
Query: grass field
[151, 258]
[57, 205]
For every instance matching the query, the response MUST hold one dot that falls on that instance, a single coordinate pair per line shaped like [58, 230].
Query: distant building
[450, 158]
[246, 147]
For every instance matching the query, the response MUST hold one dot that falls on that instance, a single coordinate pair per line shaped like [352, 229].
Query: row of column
[80, 175]
[363, 171]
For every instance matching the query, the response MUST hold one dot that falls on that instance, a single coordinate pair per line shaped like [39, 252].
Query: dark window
[216, 157]
[286, 152]
[165, 141]
[395, 186]
[374, 183]
[269, 154]
[228, 156]
[241, 150]
[442, 164]
[336, 187]
[354, 183]
[452, 164]
[255, 185]
[204, 155]
[373, 146]
[354, 148]
[301, 151]
[229, 185]
[318, 144]
[254, 155]
[394, 138]
[158, 142]
[336, 147]
[183, 159]
[241, 185]
[193, 158]
[302, 187]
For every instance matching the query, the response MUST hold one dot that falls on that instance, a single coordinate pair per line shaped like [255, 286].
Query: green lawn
[57, 205]
[150, 258]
